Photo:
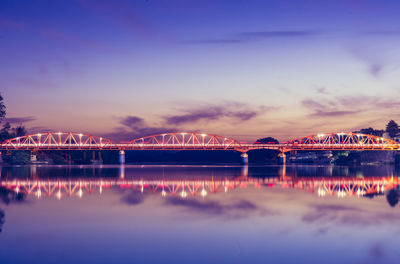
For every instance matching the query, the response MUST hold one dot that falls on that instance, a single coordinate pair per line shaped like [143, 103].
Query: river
[199, 214]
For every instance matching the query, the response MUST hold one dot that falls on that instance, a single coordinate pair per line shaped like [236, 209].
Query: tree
[2, 108]
[267, 140]
[19, 131]
[5, 132]
[392, 197]
[371, 131]
[392, 128]
[18, 157]
[8, 132]
[2, 216]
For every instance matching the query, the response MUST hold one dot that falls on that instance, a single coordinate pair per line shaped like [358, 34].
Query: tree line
[7, 131]
[392, 130]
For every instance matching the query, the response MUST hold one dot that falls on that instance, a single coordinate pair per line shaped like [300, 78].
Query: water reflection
[392, 197]
[8, 195]
[234, 214]
[184, 181]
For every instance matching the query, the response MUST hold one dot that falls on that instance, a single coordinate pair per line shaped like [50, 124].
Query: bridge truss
[195, 141]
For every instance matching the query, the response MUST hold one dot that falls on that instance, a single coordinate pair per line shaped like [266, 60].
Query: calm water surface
[199, 214]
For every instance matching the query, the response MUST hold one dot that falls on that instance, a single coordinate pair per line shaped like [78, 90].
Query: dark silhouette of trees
[267, 140]
[2, 216]
[392, 197]
[392, 128]
[371, 131]
[6, 197]
[19, 131]
[7, 131]
[2, 108]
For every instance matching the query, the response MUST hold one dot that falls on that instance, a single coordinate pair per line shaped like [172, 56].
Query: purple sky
[243, 69]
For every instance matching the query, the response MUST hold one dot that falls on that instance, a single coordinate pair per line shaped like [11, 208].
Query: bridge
[195, 141]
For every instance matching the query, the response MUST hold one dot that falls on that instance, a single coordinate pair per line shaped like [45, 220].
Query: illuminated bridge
[195, 141]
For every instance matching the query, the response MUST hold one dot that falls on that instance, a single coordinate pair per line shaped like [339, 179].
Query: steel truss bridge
[195, 141]
[340, 187]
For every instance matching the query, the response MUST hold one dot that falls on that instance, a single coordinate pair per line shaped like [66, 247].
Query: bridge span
[195, 141]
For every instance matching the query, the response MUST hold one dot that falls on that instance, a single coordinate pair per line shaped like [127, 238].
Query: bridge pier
[122, 171]
[245, 158]
[282, 158]
[121, 157]
[282, 172]
[33, 157]
[245, 171]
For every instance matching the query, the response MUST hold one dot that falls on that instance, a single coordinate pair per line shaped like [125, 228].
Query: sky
[240, 69]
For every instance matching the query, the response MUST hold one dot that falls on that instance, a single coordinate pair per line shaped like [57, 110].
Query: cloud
[209, 112]
[212, 113]
[132, 121]
[277, 34]
[375, 69]
[322, 90]
[251, 36]
[375, 254]
[345, 215]
[133, 198]
[132, 126]
[382, 32]
[326, 211]
[323, 108]
[19, 120]
[375, 61]
[39, 129]
[235, 210]
[376, 251]
[348, 105]
[311, 103]
[123, 15]
[213, 41]
[321, 231]
[63, 37]
[320, 113]
[126, 134]
[135, 127]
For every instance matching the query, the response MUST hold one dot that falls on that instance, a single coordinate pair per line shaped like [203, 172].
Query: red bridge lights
[195, 141]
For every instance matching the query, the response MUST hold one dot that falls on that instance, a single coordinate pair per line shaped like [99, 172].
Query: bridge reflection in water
[332, 185]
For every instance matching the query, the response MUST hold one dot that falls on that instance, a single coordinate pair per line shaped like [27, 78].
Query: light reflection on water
[197, 214]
